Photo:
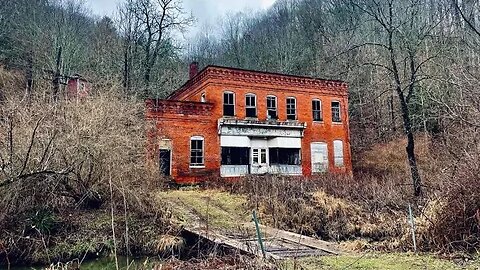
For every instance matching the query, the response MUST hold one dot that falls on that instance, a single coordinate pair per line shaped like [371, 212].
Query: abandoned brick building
[229, 122]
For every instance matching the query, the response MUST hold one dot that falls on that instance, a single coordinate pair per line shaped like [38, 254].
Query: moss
[393, 261]
[195, 207]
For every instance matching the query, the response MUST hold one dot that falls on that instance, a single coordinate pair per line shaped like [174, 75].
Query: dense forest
[413, 69]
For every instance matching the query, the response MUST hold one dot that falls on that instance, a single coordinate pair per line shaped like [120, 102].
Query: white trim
[197, 138]
[247, 106]
[286, 107]
[276, 104]
[339, 110]
[338, 145]
[320, 109]
[234, 103]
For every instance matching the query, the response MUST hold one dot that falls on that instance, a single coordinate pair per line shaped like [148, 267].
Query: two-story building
[230, 122]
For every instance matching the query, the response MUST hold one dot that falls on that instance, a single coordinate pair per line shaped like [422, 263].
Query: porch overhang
[255, 128]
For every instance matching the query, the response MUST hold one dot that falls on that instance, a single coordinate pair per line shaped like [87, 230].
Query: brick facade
[183, 115]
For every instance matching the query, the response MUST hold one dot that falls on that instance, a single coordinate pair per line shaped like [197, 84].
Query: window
[291, 108]
[319, 153]
[235, 155]
[338, 152]
[196, 152]
[336, 117]
[317, 110]
[284, 156]
[272, 107]
[251, 105]
[259, 156]
[228, 104]
[203, 98]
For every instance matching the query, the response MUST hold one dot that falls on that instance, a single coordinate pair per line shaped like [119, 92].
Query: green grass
[219, 209]
[391, 261]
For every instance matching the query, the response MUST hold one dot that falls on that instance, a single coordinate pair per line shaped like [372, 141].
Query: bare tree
[158, 21]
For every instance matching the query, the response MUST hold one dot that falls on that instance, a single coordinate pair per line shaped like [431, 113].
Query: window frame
[335, 156]
[295, 108]
[339, 111]
[270, 108]
[319, 110]
[247, 96]
[202, 164]
[233, 103]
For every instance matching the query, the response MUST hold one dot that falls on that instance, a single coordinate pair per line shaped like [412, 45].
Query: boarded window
[317, 110]
[319, 152]
[291, 108]
[284, 156]
[251, 105]
[338, 153]
[336, 117]
[235, 155]
[272, 107]
[228, 104]
[196, 152]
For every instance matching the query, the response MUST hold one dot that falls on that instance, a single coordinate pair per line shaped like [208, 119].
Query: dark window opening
[284, 156]
[235, 156]
[272, 107]
[228, 104]
[336, 117]
[317, 110]
[251, 105]
[291, 109]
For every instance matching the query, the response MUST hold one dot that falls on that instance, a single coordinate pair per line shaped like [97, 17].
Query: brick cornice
[258, 77]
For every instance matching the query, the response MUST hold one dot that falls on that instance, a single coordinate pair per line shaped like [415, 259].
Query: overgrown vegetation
[70, 170]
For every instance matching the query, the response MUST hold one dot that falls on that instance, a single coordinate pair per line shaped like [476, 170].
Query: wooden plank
[301, 239]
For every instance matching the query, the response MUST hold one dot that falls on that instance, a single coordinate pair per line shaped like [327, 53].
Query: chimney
[193, 69]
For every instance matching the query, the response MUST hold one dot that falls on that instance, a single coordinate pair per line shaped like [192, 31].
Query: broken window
[336, 117]
[319, 153]
[284, 156]
[291, 108]
[228, 104]
[272, 107]
[196, 152]
[317, 110]
[251, 105]
[338, 152]
[235, 155]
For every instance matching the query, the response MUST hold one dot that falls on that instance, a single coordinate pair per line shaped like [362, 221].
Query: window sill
[318, 122]
[337, 123]
[197, 167]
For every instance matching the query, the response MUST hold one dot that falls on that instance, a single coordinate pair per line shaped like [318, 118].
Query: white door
[319, 153]
[259, 161]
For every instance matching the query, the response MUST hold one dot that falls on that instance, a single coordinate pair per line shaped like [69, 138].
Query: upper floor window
[251, 105]
[203, 98]
[272, 107]
[317, 110]
[197, 152]
[228, 104]
[336, 116]
[291, 108]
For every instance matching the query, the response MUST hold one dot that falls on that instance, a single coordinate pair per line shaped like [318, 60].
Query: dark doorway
[165, 156]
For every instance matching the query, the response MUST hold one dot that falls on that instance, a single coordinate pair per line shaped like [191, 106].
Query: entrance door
[165, 165]
[259, 164]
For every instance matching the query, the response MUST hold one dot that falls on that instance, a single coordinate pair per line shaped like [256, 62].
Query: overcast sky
[207, 12]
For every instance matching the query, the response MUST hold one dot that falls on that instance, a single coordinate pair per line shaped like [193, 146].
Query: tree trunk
[56, 76]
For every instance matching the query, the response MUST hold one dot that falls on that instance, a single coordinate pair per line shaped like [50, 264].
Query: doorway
[259, 164]
[165, 162]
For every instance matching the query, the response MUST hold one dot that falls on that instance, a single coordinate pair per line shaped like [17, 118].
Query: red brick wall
[214, 81]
